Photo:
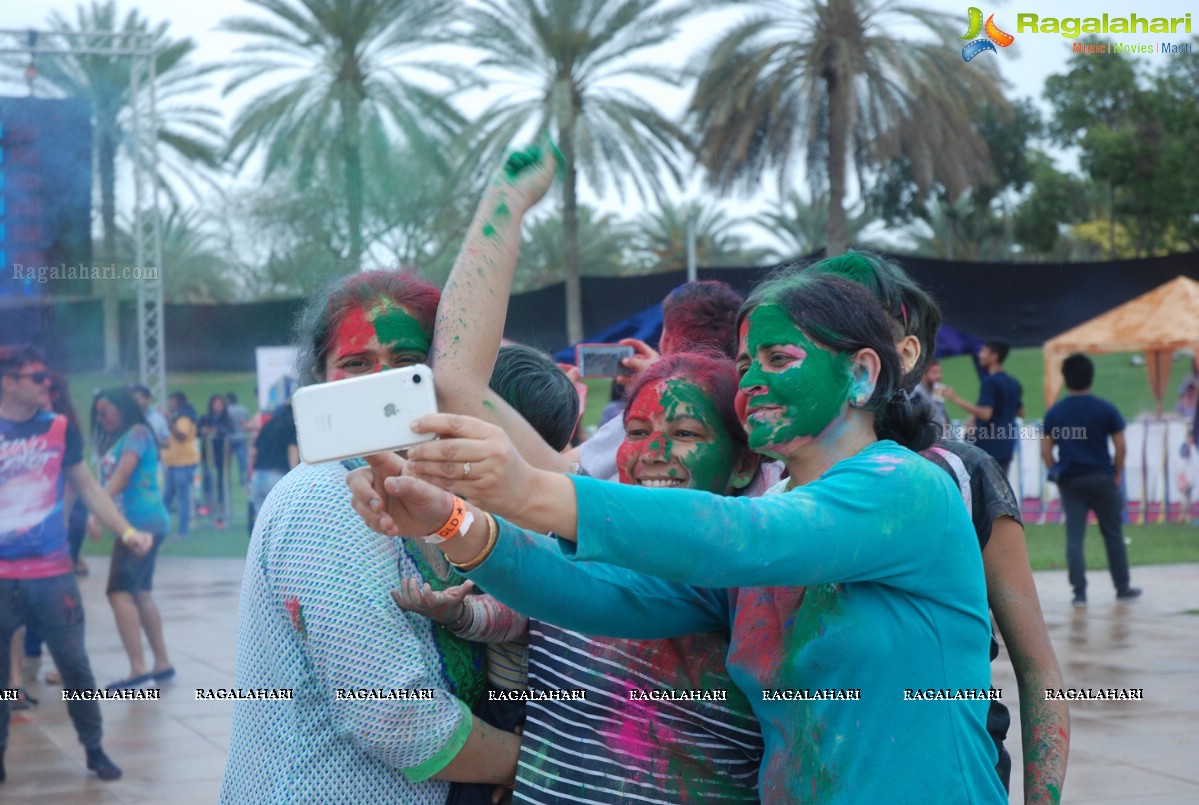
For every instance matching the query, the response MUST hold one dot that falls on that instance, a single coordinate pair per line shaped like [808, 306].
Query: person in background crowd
[1087, 476]
[215, 429]
[129, 471]
[999, 403]
[154, 418]
[180, 458]
[273, 454]
[239, 436]
[932, 390]
[40, 453]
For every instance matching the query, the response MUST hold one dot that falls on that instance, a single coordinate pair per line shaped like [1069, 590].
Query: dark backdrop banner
[1024, 303]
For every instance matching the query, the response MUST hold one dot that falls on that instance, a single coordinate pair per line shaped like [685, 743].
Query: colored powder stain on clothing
[294, 611]
[802, 398]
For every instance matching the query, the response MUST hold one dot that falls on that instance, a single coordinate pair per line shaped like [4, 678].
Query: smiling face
[385, 336]
[791, 388]
[674, 438]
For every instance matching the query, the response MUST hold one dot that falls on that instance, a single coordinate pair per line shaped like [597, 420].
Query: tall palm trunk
[839, 110]
[353, 157]
[570, 232]
[110, 310]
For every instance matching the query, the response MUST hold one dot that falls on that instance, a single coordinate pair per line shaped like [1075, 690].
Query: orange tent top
[1156, 323]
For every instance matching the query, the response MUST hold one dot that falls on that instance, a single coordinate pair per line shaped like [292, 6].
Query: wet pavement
[173, 750]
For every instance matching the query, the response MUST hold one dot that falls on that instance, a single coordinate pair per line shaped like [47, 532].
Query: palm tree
[662, 238]
[802, 226]
[348, 83]
[828, 79]
[604, 244]
[189, 131]
[564, 54]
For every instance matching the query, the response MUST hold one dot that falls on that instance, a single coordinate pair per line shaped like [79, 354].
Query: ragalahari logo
[994, 35]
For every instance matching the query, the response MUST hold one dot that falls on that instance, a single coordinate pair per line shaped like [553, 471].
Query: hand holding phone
[602, 360]
[363, 415]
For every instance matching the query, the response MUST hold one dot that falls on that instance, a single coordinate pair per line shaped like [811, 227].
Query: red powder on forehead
[352, 333]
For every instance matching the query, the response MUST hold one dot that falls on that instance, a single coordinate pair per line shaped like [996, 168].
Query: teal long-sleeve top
[857, 607]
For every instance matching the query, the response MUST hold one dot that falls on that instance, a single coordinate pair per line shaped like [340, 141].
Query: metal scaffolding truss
[147, 218]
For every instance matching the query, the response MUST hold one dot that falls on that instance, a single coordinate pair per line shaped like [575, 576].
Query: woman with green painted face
[876, 688]
[381, 704]
[995, 513]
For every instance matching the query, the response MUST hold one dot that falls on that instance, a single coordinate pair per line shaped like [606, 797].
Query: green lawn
[1116, 379]
[1151, 545]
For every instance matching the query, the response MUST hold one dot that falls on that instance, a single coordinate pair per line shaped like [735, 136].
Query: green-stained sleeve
[529, 573]
[879, 516]
[447, 752]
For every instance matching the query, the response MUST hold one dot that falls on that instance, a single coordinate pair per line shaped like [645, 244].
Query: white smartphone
[363, 415]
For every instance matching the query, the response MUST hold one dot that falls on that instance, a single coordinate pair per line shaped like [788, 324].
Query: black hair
[131, 414]
[60, 399]
[912, 309]
[844, 317]
[1079, 372]
[530, 381]
[1000, 348]
[15, 357]
[230, 398]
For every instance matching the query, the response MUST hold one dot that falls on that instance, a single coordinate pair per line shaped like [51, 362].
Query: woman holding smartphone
[382, 699]
[871, 538]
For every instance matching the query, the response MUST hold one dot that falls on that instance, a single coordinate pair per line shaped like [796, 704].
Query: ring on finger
[466, 469]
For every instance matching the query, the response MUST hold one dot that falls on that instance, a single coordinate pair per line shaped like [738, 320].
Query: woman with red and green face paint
[316, 615]
[617, 744]
[871, 538]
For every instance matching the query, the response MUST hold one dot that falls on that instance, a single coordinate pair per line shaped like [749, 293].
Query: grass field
[1116, 379]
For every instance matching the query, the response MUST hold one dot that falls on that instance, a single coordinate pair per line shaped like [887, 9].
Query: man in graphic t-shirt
[39, 453]
[999, 403]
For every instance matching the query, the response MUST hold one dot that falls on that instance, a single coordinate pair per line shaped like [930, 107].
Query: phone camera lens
[416, 378]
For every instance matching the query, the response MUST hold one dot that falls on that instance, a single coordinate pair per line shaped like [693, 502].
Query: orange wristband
[459, 521]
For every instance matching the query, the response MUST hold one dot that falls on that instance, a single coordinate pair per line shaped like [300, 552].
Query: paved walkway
[173, 750]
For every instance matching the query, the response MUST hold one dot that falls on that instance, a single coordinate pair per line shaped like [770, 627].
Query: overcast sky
[1024, 65]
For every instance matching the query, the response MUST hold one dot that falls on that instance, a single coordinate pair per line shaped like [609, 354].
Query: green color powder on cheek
[809, 393]
[709, 463]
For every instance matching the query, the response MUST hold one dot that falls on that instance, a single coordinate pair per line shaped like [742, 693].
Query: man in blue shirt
[999, 403]
[1086, 474]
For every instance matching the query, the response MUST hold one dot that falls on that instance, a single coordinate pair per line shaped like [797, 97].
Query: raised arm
[1044, 725]
[474, 304]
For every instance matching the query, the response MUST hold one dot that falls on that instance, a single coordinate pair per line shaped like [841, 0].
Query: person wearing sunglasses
[40, 452]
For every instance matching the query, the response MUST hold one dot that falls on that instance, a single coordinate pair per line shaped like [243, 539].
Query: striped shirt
[619, 745]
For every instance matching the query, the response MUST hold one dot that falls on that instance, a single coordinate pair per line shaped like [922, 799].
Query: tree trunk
[838, 150]
[353, 156]
[107, 158]
[570, 231]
